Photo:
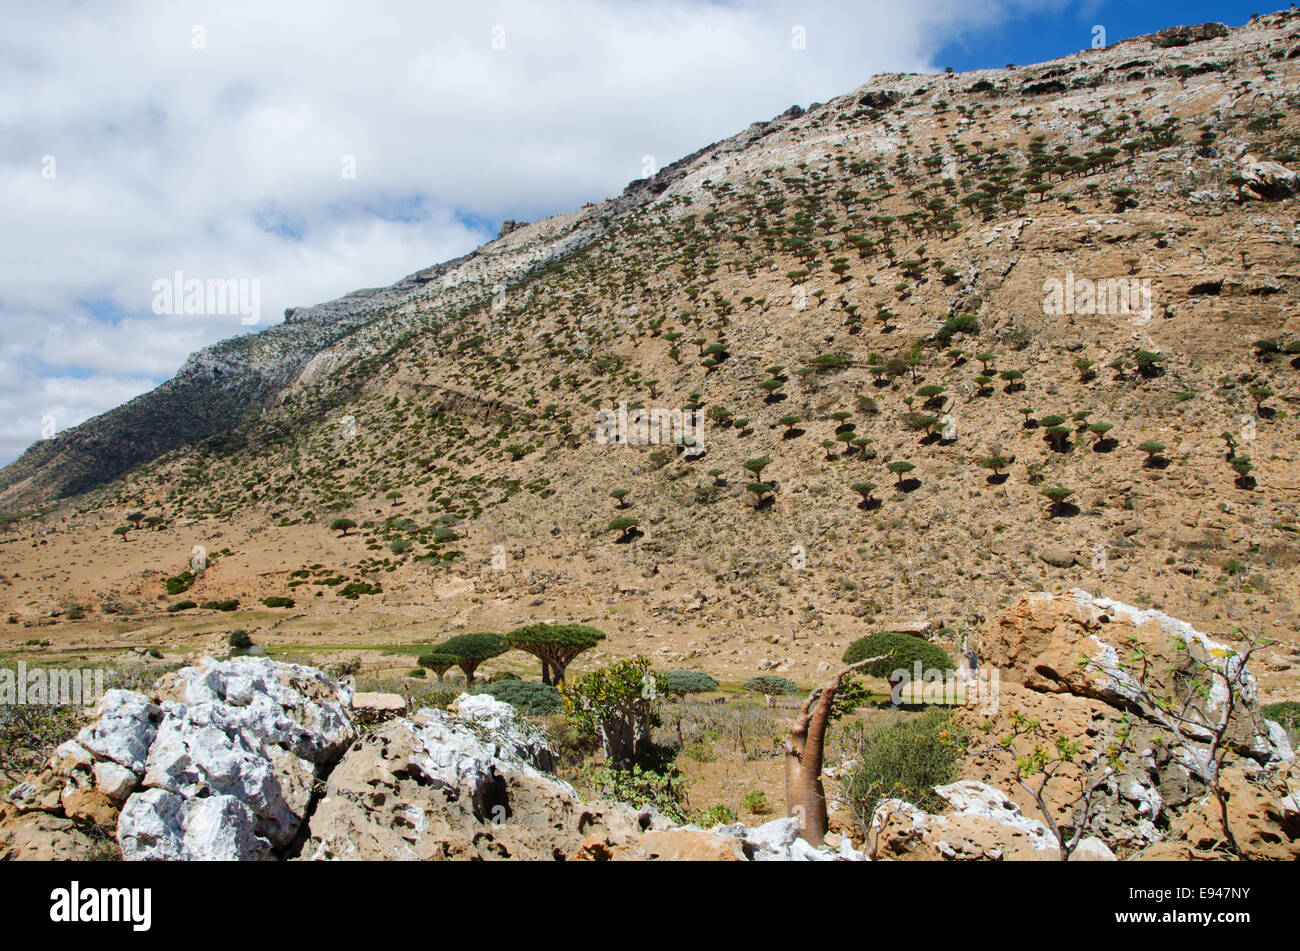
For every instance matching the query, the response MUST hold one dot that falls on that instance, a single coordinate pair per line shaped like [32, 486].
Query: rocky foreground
[250, 759]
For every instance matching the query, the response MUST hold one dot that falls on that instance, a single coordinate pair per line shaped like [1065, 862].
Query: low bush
[689, 681]
[524, 695]
[903, 760]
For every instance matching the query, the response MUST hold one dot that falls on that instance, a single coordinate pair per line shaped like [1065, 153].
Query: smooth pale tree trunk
[805, 796]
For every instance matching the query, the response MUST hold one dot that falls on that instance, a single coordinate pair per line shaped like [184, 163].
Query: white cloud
[173, 158]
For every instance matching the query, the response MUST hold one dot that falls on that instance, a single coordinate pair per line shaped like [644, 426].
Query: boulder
[368, 708]
[219, 762]
[1267, 181]
[983, 824]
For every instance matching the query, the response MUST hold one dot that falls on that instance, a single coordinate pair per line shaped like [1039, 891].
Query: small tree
[1057, 494]
[618, 495]
[756, 466]
[864, 489]
[900, 469]
[122, 530]
[342, 525]
[1153, 449]
[438, 662]
[555, 645]
[996, 463]
[805, 748]
[620, 704]
[625, 525]
[1243, 467]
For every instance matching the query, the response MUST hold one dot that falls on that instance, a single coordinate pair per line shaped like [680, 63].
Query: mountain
[994, 332]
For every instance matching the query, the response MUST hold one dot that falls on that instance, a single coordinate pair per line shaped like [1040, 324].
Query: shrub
[755, 801]
[239, 640]
[620, 704]
[964, 324]
[689, 681]
[904, 760]
[353, 590]
[904, 651]
[227, 605]
[639, 787]
[178, 584]
[1286, 713]
[181, 606]
[278, 601]
[525, 695]
[717, 815]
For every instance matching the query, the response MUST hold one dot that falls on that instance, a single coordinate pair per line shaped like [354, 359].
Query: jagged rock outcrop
[219, 762]
[984, 824]
[1267, 181]
[1038, 647]
[224, 761]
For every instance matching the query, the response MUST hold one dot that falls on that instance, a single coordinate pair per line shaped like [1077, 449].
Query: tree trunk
[546, 673]
[805, 797]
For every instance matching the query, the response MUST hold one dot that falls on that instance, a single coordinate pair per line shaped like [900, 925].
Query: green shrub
[904, 651]
[524, 695]
[278, 601]
[755, 801]
[717, 815]
[639, 787]
[689, 681]
[239, 640]
[229, 604]
[353, 590]
[1287, 713]
[178, 584]
[904, 760]
[181, 606]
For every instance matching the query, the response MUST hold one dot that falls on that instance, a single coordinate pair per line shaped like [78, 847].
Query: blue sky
[1033, 36]
[320, 146]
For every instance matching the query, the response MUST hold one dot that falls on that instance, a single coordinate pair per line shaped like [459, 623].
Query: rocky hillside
[950, 338]
[233, 382]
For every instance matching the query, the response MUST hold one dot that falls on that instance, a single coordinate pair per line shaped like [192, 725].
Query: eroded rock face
[464, 784]
[1037, 647]
[219, 763]
[984, 824]
[1267, 181]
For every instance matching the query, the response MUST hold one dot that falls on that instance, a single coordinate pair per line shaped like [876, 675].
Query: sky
[291, 152]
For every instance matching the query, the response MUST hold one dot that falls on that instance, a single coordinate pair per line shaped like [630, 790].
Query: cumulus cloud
[216, 139]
